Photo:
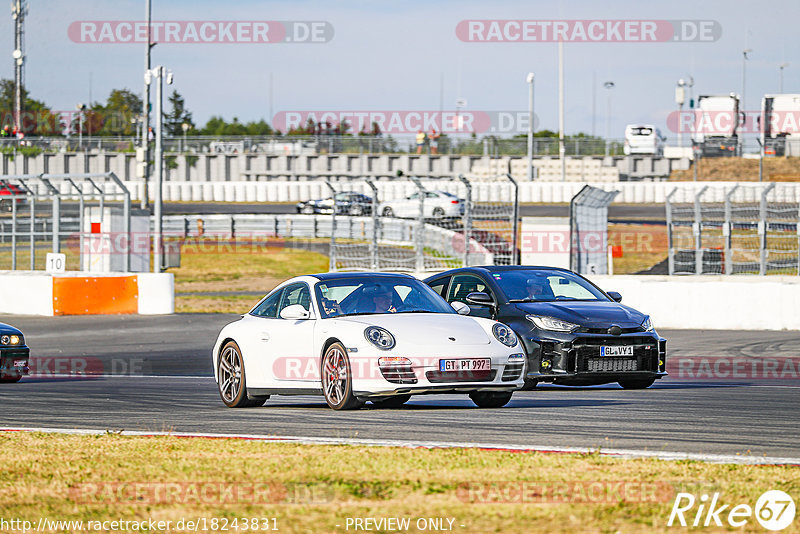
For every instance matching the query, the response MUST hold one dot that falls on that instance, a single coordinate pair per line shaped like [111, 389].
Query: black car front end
[14, 354]
[589, 356]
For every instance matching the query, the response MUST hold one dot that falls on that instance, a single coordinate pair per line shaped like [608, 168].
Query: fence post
[31, 229]
[467, 218]
[332, 255]
[420, 237]
[56, 213]
[515, 223]
[762, 229]
[373, 249]
[126, 216]
[727, 230]
[670, 248]
[80, 220]
[698, 232]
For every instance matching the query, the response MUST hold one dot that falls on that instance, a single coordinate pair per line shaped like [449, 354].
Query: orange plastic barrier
[84, 295]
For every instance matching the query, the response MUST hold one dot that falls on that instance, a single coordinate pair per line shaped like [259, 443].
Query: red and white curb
[741, 459]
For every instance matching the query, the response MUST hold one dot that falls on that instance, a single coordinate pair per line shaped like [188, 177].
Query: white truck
[716, 125]
[643, 139]
[780, 125]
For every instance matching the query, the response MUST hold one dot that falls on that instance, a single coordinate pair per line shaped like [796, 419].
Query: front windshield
[363, 295]
[544, 286]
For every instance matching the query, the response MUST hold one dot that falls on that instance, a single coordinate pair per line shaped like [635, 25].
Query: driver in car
[537, 289]
[382, 300]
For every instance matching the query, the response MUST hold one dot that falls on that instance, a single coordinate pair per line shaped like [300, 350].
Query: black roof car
[14, 354]
[574, 333]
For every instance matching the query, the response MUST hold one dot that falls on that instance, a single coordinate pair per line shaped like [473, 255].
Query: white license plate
[20, 363]
[616, 351]
[473, 364]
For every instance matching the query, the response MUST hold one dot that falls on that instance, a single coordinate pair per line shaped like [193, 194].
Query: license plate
[473, 364]
[20, 363]
[616, 351]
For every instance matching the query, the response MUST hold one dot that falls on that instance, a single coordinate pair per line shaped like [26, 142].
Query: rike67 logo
[774, 510]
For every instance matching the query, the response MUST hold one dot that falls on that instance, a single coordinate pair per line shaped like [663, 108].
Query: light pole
[743, 101]
[561, 149]
[530, 126]
[608, 85]
[159, 73]
[680, 98]
[80, 108]
[780, 85]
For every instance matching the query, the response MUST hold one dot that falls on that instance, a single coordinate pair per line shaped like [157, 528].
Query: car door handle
[264, 336]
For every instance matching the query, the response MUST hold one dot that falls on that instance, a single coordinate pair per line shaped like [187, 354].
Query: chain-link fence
[740, 230]
[41, 213]
[423, 224]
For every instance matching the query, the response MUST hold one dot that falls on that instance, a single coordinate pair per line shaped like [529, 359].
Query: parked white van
[643, 139]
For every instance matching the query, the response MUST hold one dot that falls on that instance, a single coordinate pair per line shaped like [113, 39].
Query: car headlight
[647, 325]
[10, 340]
[380, 337]
[551, 323]
[504, 335]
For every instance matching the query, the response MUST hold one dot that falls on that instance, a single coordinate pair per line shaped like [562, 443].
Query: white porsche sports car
[357, 337]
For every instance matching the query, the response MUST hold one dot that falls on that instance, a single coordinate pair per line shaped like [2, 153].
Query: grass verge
[317, 488]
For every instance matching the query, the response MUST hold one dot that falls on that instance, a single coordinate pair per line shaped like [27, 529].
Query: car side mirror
[479, 299]
[295, 312]
[460, 307]
[616, 297]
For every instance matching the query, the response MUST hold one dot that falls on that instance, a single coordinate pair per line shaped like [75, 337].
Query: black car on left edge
[14, 354]
[574, 333]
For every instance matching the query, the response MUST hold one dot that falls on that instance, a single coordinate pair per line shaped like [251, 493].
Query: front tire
[636, 383]
[394, 401]
[356, 210]
[491, 400]
[388, 212]
[232, 384]
[438, 213]
[6, 379]
[337, 383]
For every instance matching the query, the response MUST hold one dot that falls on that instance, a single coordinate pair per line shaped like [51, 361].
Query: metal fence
[739, 230]
[428, 225]
[42, 213]
[588, 213]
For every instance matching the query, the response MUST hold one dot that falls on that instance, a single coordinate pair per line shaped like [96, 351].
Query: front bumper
[576, 358]
[14, 361]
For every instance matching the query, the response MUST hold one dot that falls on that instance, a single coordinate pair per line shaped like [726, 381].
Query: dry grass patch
[316, 488]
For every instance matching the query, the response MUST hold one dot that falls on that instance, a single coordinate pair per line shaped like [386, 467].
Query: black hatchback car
[347, 203]
[14, 354]
[574, 333]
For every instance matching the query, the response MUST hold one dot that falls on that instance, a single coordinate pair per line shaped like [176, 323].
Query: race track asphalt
[161, 380]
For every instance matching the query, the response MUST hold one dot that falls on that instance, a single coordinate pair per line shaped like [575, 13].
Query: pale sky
[392, 56]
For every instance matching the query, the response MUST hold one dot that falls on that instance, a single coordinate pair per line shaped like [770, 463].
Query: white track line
[616, 453]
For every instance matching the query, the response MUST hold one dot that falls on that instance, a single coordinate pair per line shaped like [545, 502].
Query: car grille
[587, 354]
[612, 364]
[436, 377]
[512, 371]
[402, 374]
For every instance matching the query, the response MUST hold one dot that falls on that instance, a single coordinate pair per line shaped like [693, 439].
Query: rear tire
[337, 382]
[394, 401]
[636, 383]
[491, 400]
[232, 383]
[308, 210]
[356, 210]
[438, 213]
[388, 212]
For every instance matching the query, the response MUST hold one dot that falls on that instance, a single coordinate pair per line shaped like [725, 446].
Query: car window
[269, 306]
[465, 284]
[296, 294]
[413, 196]
[564, 288]
[431, 195]
[440, 285]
